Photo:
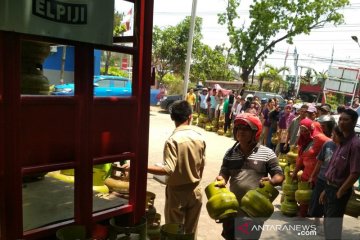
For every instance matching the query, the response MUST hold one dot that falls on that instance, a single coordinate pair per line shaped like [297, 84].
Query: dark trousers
[316, 209]
[227, 120]
[334, 212]
[268, 140]
[283, 149]
[204, 111]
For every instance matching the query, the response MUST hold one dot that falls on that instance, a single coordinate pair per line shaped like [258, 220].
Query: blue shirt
[213, 102]
[324, 156]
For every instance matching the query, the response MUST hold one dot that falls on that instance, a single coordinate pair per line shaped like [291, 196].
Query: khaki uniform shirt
[184, 156]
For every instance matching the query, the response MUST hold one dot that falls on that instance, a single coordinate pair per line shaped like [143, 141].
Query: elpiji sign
[79, 20]
[62, 12]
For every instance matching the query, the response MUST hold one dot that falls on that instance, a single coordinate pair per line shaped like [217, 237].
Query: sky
[315, 50]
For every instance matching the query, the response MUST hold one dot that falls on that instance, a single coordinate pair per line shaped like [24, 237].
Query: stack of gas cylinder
[274, 139]
[303, 196]
[289, 159]
[216, 125]
[283, 161]
[289, 205]
[203, 119]
[195, 117]
[153, 219]
[221, 123]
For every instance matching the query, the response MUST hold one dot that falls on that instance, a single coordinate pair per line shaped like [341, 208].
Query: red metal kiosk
[47, 133]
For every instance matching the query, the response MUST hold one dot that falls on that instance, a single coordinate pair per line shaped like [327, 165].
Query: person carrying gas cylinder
[246, 165]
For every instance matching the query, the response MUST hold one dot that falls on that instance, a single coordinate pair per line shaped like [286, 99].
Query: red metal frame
[24, 124]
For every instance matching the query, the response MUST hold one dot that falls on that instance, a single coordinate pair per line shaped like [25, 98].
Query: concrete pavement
[161, 127]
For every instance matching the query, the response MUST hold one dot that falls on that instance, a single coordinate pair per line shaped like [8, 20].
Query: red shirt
[307, 159]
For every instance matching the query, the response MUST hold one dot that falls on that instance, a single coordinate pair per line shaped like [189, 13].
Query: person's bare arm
[275, 180]
[157, 170]
[315, 171]
[349, 182]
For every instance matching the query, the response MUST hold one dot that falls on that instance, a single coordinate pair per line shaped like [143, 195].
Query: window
[120, 83]
[104, 83]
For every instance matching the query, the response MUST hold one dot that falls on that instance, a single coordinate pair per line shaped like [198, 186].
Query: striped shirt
[244, 173]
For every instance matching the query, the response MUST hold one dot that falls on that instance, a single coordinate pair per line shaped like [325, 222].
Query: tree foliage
[115, 71]
[119, 28]
[169, 51]
[170, 45]
[275, 81]
[211, 64]
[272, 21]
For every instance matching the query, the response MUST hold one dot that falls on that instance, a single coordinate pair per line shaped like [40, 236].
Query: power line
[316, 59]
[354, 6]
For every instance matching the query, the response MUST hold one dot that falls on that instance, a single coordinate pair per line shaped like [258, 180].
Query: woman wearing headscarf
[285, 119]
[310, 143]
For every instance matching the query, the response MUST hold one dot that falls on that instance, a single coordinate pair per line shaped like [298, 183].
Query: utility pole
[189, 49]
[297, 81]
[322, 94]
[63, 60]
[355, 38]
[286, 56]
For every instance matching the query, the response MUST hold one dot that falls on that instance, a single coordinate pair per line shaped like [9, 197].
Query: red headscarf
[314, 130]
[305, 139]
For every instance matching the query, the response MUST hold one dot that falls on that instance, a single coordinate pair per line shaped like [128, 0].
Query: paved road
[161, 127]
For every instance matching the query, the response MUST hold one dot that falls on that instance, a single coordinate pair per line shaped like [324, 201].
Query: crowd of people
[328, 155]
[327, 149]
[217, 103]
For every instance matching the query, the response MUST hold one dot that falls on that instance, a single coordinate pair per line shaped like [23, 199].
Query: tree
[321, 79]
[119, 28]
[211, 64]
[170, 49]
[170, 45]
[276, 82]
[261, 78]
[273, 21]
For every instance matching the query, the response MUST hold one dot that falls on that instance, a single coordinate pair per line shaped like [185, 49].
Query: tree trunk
[107, 62]
[261, 79]
[245, 75]
[320, 94]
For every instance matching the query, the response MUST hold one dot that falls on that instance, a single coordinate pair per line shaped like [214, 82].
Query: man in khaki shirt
[183, 163]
